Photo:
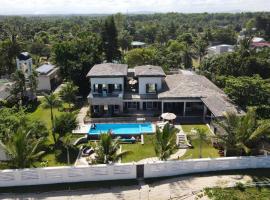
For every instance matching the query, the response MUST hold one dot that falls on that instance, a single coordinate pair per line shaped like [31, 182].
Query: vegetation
[240, 193]
[165, 142]
[107, 149]
[201, 134]
[68, 93]
[242, 133]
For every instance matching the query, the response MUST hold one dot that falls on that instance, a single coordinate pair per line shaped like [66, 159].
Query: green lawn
[140, 151]
[260, 193]
[208, 151]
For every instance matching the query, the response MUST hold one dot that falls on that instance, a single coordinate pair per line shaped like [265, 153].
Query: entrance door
[140, 171]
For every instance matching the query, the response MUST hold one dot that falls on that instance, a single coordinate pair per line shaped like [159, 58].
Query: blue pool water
[122, 129]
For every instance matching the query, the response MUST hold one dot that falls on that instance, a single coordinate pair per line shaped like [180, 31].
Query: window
[151, 88]
[132, 105]
[95, 87]
[149, 105]
[116, 108]
[96, 109]
[117, 87]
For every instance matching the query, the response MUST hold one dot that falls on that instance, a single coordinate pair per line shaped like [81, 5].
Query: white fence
[52, 175]
[171, 168]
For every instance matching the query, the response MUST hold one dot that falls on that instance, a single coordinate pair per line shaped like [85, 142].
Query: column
[204, 112]
[184, 109]
[162, 107]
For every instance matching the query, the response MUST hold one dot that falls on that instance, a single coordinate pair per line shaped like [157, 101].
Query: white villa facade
[117, 91]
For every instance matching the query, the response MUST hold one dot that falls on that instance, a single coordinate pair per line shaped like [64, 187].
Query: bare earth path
[173, 188]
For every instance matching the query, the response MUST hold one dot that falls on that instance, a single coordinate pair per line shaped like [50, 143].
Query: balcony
[105, 95]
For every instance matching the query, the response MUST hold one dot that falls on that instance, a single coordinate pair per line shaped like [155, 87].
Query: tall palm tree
[22, 149]
[201, 135]
[33, 83]
[51, 101]
[165, 142]
[242, 132]
[19, 88]
[107, 149]
[68, 93]
[200, 48]
[67, 143]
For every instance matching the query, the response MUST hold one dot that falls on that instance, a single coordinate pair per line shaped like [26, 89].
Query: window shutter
[94, 88]
[156, 87]
[147, 88]
[120, 87]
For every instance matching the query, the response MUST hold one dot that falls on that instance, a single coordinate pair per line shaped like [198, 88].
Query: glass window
[151, 88]
[149, 105]
[132, 105]
[95, 87]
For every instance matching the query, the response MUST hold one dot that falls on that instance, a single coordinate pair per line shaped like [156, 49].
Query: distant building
[48, 77]
[219, 49]
[137, 44]
[25, 64]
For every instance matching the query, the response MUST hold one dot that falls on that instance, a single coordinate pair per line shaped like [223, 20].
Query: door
[140, 171]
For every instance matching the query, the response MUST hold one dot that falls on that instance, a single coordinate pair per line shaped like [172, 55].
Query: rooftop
[196, 86]
[137, 43]
[45, 68]
[108, 70]
[24, 56]
[149, 71]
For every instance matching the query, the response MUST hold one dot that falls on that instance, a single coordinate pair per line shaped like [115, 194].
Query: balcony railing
[105, 95]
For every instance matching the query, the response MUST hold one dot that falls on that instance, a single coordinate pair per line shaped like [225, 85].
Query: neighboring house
[48, 77]
[115, 90]
[137, 44]
[219, 49]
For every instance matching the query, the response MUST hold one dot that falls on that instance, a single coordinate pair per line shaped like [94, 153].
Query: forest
[173, 40]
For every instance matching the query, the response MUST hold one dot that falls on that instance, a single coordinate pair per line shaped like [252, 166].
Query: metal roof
[45, 68]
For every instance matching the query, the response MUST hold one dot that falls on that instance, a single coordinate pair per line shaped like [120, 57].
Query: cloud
[124, 6]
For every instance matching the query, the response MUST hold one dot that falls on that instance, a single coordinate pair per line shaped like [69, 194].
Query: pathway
[82, 114]
[186, 187]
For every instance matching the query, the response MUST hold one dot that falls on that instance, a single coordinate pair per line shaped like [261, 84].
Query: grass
[140, 151]
[208, 151]
[239, 193]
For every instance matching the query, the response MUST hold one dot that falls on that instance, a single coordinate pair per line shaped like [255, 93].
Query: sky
[35, 7]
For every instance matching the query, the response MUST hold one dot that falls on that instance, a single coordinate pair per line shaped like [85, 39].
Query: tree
[187, 56]
[51, 101]
[201, 134]
[67, 143]
[22, 149]
[18, 90]
[242, 133]
[110, 40]
[125, 40]
[68, 93]
[107, 149]
[200, 48]
[65, 123]
[136, 57]
[165, 142]
[33, 84]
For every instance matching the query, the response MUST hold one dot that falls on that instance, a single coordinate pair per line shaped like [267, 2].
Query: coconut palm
[51, 101]
[242, 132]
[107, 149]
[201, 135]
[65, 123]
[67, 143]
[22, 149]
[165, 142]
[68, 93]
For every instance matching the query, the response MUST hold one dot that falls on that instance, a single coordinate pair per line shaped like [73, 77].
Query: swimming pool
[122, 129]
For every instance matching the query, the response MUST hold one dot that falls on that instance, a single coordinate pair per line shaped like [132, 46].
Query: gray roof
[108, 70]
[45, 68]
[149, 70]
[196, 86]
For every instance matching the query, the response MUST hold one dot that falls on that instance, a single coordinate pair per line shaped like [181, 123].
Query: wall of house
[149, 80]
[44, 83]
[116, 80]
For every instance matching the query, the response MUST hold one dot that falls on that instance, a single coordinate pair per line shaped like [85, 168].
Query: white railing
[66, 174]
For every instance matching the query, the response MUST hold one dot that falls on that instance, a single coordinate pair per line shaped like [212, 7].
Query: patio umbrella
[132, 82]
[168, 116]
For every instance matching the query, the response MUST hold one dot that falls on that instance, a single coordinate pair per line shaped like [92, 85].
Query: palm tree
[52, 101]
[200, 48]
[165, 142]
[242, 132]
[201, 134]
[68, 93]
[107, 149]
[33, 83]
[19, 87]
[67, 143]
[22, 149]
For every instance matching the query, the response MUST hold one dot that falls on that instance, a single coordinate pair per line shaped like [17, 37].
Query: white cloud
[113, 6]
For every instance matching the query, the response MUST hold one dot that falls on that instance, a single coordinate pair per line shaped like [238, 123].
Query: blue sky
[124, 6]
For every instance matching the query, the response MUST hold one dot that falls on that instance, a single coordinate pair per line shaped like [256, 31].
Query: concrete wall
[171, 168]
[50, 175]
[146, 80]
[44, 83]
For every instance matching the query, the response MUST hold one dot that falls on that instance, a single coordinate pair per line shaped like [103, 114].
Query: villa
[117, 90]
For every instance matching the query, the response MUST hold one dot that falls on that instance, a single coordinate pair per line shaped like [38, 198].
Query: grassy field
[208, 151]
[246, 193]
[140, 151]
